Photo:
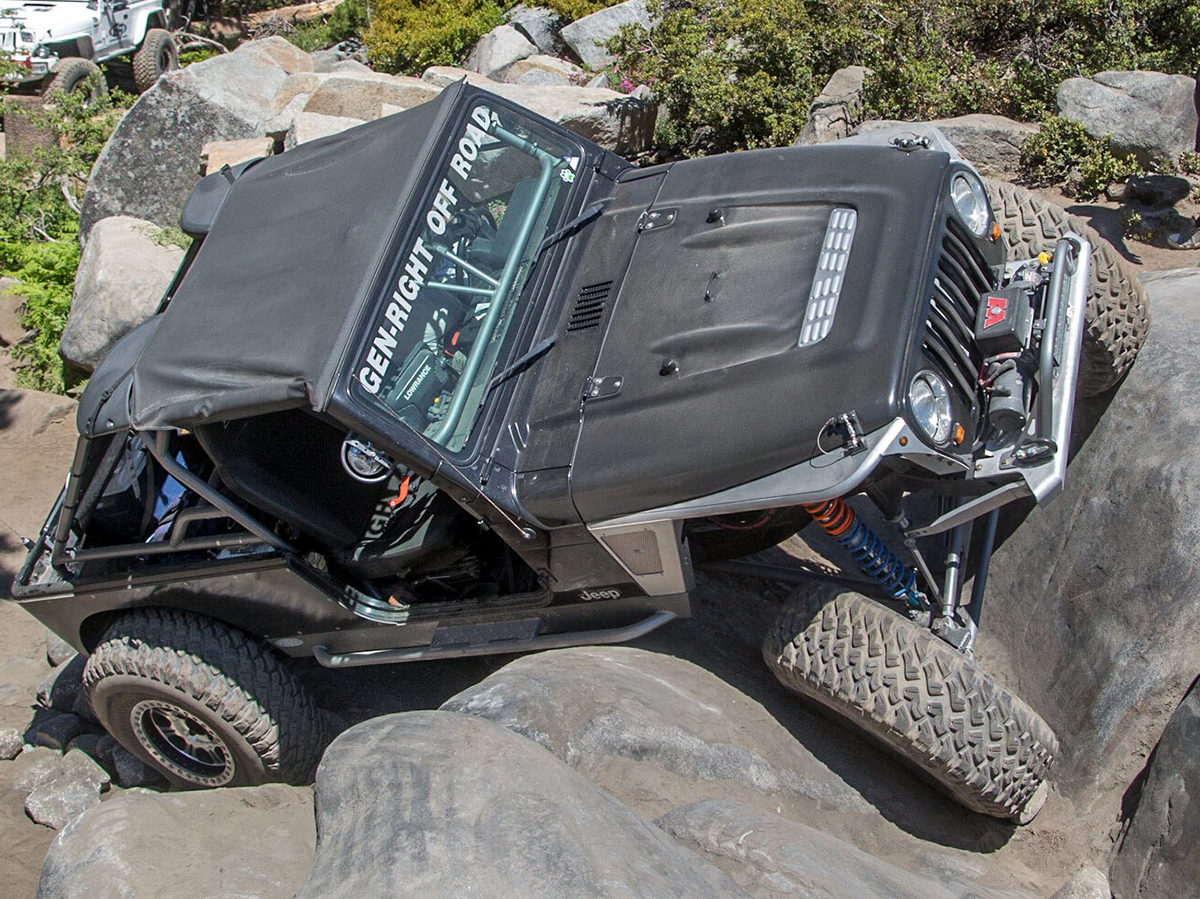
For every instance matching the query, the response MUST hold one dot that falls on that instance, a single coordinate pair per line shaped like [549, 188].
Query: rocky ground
[678, 766]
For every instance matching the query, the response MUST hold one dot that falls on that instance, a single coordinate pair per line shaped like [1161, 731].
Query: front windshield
[456, 288]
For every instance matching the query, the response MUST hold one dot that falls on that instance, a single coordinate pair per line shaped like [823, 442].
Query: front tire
[1118, 313]
[924, 700]
[206, 705]
[154, 58]
[74, 73]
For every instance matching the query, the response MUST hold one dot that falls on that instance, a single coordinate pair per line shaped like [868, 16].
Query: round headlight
[930, 403]
[971, 201]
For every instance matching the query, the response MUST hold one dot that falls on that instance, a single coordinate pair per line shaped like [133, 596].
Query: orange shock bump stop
[833, 515]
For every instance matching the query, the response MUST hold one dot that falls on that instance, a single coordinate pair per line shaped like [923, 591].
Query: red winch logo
[997, 308]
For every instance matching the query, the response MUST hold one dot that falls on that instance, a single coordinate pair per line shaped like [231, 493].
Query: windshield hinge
[602, 388]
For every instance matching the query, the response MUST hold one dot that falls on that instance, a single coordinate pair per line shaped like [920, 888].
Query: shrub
[747, 71]
[39, 221]
[408, 36]
[348, 20]
[1063, 151]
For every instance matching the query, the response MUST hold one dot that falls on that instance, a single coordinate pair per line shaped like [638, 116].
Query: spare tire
[1118, 313]
[920, 698]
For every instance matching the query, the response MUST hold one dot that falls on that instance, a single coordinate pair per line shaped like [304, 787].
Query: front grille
[589, 308]
[962, 277]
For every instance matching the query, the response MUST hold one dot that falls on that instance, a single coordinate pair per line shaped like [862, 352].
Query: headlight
[42, 52]
[930, 403]
[971, 201]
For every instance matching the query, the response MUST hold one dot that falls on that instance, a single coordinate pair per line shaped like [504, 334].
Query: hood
[741, 327]
[46, 21]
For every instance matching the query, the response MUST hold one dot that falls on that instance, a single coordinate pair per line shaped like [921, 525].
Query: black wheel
[1118, 314]
[154, 58]
[206, 705]
[72, 74]
[917, 696]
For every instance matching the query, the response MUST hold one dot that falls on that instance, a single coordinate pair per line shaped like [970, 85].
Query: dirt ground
[36, 443]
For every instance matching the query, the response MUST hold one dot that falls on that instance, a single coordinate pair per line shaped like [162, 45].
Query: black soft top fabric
[259, 321]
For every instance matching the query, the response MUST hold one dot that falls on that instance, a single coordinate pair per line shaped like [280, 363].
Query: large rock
[1160, 852]
[541, 69]
[124, 270]
[835, 111]
[363, 97]
[539, 25]
[774, 858]
[443, 76]
[312, 126]
[499, 49]
[246, 841]
[991, 142]
[280, 52]
[616, 122]
[651, 728]
[589, 35]
[1148, 114]
[440, 805]
[1094, 601]
[658, 732]
[148, 166]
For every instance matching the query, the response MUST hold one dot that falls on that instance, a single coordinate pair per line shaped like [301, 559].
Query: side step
[443, 648]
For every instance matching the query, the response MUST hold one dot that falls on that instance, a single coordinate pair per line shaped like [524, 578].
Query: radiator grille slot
[589, 308]
[963, 276]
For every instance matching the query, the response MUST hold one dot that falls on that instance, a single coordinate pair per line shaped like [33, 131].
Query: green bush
[408, 36]
[348, 20]
[46, 271]
[39, 191]
[1062, 151]
[747, 71]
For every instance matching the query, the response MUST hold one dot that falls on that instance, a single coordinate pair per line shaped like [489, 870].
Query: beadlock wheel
[182, 743]
[203, 703]
[921, 699]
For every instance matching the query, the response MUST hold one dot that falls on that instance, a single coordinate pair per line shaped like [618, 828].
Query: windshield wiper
[570, 227]
[526, 359]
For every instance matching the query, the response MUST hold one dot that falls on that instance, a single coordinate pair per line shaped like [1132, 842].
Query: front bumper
[1040, 460]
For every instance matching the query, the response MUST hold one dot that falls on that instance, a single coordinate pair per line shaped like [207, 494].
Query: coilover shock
[875, 560]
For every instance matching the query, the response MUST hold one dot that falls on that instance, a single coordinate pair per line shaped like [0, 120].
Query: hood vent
[589, 307]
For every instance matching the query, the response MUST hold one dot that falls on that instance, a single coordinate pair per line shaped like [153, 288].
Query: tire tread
[919, 696]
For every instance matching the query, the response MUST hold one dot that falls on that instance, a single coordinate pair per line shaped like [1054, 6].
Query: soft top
[259, 321]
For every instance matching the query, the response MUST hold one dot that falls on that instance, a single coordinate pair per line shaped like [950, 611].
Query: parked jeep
[59, 44]
[459, 382]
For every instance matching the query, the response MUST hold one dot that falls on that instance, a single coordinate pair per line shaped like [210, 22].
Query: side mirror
[119, 5]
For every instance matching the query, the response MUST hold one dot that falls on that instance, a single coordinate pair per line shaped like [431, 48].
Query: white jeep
[58, 43]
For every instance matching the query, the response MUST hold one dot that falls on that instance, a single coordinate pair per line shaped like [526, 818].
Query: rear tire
[154, 58]
[206, 705]
[1118, 313]
[919, 697]
[73, 73]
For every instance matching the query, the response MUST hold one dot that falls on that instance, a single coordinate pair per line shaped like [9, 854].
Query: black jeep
[459, 382]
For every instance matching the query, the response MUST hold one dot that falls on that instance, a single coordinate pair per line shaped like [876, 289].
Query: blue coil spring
[874, 558]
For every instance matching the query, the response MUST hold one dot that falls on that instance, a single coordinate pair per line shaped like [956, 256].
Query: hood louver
[589, 308]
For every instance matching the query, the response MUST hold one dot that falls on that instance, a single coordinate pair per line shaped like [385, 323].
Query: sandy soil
[36, 443]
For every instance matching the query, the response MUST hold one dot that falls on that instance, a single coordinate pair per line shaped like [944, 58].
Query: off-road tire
[232, 683]
[1118, 314]
[72, 73]
[157, 55]
[917, 696]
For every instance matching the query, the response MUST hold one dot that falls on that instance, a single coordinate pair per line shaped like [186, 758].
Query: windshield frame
[522, 261]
